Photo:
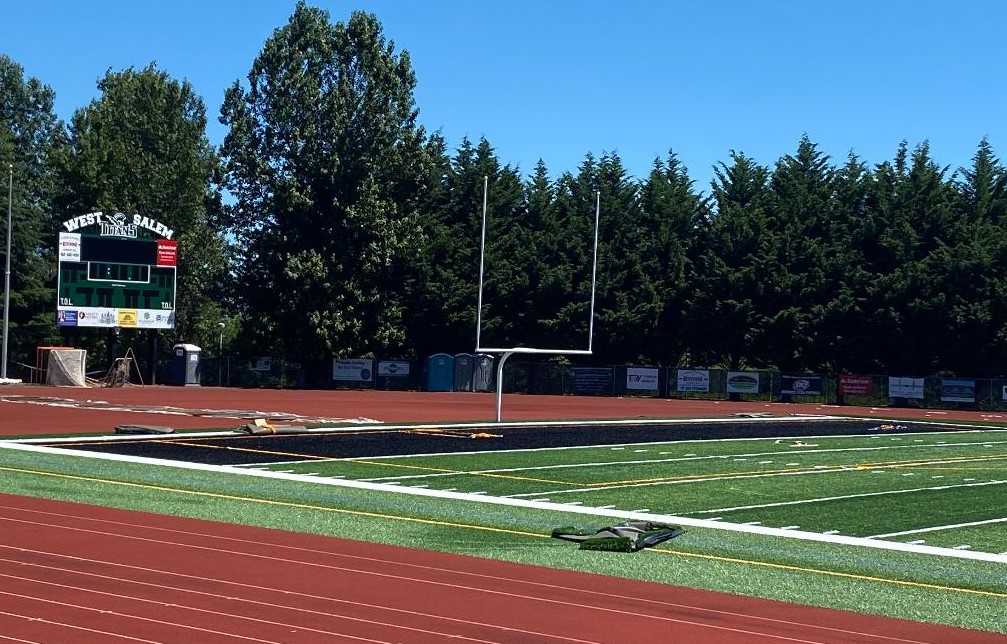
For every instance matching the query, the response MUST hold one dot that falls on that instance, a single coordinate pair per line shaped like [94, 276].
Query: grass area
[912, 586]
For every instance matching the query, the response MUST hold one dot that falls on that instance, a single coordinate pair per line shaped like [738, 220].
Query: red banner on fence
[857, 385]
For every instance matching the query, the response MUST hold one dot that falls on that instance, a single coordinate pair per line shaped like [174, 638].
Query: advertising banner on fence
[588, 380]
[641, 378]
[398, 368]
[801, 385]
[357, 370]
[697, 380]
[958, 390]
[905, 387]
[851, 384]
[742, 382]
[261, 364]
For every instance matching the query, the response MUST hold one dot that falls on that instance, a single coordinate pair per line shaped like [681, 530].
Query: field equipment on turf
[630, 536]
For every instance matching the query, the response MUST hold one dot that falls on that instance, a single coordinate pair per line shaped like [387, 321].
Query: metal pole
[220, 356]
[500, 369]
[482, 256]
[594, 268]
[6, 292]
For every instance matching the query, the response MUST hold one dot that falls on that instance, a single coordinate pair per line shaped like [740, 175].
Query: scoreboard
[116, 270]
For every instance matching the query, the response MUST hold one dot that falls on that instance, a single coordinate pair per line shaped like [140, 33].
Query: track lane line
[273, 590]
[559, 587]
[43, 620]
[234, 616]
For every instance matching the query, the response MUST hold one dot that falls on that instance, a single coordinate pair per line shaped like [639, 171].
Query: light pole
[220, 356]
[6, 292]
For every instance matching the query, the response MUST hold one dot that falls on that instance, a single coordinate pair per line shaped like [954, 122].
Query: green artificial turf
[959, 592]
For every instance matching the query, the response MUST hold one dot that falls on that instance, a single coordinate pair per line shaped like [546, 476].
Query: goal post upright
[506, 353]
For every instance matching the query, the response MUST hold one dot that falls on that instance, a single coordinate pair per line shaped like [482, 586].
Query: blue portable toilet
[464, 364]
[440, 372]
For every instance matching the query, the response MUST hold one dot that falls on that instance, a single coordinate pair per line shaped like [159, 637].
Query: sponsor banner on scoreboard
[127, 317]
[66, 317]
[697, 380]
[801, 385]
[94, 316]
[856, 385]
[641, 378]
[742, 382]
[899, 387]
[69, 247]
[958, 390]
[354, 370]
[394, 368]
[167, 252]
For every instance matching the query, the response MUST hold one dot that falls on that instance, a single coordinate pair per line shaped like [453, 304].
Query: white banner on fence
[905, 387]
[393, 368]
[693, 380]
[357, 370]
[742, 382]
[641, 378]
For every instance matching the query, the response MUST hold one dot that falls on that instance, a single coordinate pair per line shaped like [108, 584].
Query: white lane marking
[729, 477]
[939, 528]
[843, 497]
[790, 527]
[520, 503]
[752, 523]
[964, 546]
[647, 461]
[831, 532]
[917, 541]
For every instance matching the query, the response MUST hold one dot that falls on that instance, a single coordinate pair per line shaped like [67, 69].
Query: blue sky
[557, 79]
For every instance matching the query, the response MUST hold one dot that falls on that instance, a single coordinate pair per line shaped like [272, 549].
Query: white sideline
[524, 504]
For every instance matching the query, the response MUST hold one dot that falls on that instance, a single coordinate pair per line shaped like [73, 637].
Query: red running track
[387, 406]
[73, 573]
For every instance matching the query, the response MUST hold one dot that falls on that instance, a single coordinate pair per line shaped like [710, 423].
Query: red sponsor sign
[851, 384]
[167, 252]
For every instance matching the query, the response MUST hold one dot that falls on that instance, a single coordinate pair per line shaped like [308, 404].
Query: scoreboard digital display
[116, 270]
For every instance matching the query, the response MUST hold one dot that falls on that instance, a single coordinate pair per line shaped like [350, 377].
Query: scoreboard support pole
[6, 291]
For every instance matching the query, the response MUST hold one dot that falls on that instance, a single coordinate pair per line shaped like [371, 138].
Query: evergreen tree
[31, 138]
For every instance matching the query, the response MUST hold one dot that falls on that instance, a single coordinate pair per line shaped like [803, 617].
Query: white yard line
[521, 503]
[654, 460]
[937, 528]
[818, 469]
[846, 496]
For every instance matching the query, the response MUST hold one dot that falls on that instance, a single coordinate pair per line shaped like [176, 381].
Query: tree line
[331, 223]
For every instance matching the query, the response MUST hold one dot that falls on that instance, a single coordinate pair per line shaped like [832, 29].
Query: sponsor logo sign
[67, 317]
[127, 317]
[958, 390]
[167, 252]
[693, 380]
[801, 385]
[94, 316]
[641, 378]
[592, 380]
[742, 382]
[393, 368]
[69, 247]
[855, 385]
[899, 387]
[355, 370]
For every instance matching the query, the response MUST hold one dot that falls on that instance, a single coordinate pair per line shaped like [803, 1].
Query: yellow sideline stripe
[304, 506]
[831, 573]
[287, 504]
[464, 472]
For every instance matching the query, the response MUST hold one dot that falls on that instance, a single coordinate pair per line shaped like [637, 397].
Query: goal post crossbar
[508, 352]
